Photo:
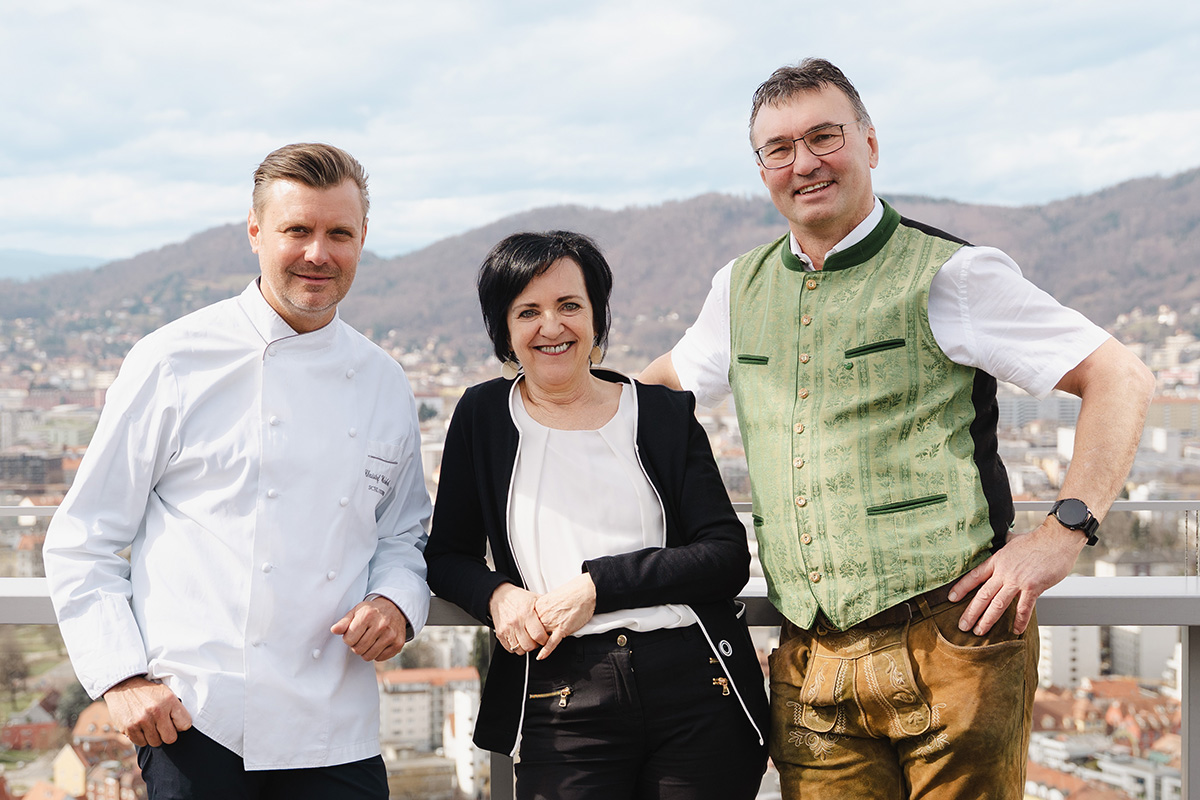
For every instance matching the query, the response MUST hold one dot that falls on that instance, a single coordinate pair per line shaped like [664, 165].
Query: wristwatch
[1074, 514]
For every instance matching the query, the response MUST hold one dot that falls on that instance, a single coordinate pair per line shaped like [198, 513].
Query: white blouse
[579, 495]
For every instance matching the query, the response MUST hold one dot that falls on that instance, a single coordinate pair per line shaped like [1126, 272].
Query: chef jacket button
[271, 493]
[353, 432]
[345, 501]
[349, 373]
[274, 420]
[256, 643]
[330, 575]
[267, 566]
[271, 350]
[316, 653]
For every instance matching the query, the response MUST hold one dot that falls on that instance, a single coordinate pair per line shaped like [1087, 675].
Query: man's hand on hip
[1026, 566]
[375, 629]
[146, 711]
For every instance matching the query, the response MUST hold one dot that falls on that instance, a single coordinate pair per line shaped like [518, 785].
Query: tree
[481, 653]
[13, 668]
[72, 703]
[418, 654]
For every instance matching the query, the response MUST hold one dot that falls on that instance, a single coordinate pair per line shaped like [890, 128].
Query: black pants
[195, 767]
[639, 720]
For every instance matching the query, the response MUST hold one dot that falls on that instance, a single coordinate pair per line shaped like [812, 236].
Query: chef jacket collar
[272, 327]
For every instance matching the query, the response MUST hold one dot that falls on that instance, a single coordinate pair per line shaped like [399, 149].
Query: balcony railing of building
[1077, 600]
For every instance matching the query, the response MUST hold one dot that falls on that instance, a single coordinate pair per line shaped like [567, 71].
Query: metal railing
[1077, 600]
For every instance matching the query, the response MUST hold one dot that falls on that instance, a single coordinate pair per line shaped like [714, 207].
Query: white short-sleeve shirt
[982, 311]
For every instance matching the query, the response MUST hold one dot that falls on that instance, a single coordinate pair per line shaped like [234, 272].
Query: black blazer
[704, 565]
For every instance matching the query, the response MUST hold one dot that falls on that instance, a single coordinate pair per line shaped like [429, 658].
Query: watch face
[1072, 513]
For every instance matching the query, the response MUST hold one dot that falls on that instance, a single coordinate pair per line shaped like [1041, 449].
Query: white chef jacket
[983, 313]
[268, 481]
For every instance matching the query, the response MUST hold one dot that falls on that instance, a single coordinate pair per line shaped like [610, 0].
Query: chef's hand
[375, 629]
[146, 711]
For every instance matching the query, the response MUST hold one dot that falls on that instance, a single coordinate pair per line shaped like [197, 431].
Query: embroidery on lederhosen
[821, 744]
[937, 740]
[917, 721]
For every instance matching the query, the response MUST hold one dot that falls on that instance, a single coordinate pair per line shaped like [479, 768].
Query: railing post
[503, 778]
[1190, 757]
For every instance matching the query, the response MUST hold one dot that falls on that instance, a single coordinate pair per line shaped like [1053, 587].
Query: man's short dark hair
[319, 166]
[810, 75]
[520, 258]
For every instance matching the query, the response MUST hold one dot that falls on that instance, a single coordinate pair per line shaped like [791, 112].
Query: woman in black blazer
[623, 667]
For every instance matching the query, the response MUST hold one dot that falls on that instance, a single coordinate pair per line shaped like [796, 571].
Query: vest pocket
[873, 347]
[906, 505]
[758, 361]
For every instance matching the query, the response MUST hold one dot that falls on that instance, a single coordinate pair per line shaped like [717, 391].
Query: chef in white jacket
[262, 461]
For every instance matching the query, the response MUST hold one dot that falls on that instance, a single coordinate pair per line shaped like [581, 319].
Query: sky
[127, 125]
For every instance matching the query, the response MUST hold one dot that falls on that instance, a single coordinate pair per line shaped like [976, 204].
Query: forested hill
[1132, 245]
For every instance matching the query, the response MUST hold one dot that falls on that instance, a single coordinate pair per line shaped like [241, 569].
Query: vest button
[802, 501]
[804, 358]
[797, 462]
[806, 320]
[806, 539]
[622, 640]
[810, 284]
[814, 576]
[799, 428]
[802, 394]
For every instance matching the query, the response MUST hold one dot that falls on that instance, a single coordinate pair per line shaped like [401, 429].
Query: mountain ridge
[1135, 244]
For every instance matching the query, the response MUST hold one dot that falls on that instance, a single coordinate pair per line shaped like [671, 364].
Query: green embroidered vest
[872, 456]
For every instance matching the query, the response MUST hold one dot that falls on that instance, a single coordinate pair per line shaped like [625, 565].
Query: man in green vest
[862, 351]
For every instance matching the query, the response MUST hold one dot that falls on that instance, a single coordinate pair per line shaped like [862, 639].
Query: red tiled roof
[436, 677]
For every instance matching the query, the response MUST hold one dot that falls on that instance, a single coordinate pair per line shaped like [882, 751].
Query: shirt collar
[272, 327]
[854, 237]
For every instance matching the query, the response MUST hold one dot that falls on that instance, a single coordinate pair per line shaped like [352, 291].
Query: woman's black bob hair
[520, 258]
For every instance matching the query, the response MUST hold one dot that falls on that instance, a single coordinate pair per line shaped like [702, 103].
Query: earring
[596, 356]
[510, 369]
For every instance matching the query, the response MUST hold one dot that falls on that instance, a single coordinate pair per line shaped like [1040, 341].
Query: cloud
[134, 123]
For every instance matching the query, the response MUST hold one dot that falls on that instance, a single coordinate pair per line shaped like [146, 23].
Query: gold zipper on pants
[562, 695]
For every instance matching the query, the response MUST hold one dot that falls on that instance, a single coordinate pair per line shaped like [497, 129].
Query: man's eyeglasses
[821, 142]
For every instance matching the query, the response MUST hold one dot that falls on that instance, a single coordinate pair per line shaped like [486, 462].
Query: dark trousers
[195, 767]
[641, 717]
